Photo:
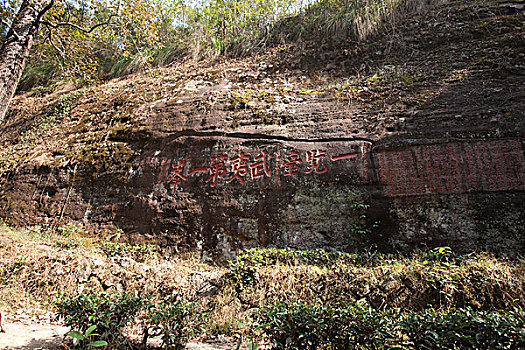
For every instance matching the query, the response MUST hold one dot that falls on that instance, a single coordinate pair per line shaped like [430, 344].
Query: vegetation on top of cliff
[143, 34]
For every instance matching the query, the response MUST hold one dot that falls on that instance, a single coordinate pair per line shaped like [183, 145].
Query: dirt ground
[39, 336]
[31, 336]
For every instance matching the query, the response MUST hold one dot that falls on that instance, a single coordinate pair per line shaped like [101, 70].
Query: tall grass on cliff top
[211, 28]
[231, 27]
[348, 19]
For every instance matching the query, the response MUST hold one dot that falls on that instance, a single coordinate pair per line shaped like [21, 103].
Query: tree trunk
[15, 49]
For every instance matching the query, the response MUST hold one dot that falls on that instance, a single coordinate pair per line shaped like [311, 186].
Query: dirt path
[31, 336]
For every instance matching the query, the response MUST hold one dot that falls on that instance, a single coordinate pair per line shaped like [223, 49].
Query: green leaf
[98, 343]
[90, 330]
[76, 335]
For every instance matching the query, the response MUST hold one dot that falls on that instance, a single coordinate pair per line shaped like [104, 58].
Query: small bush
[109, 312]
[259, 257]
[358, 326]
[68, 243]
[38, 231]
[313, 326]
[244, 268]
[464, 329]
[174, 320]
[244, 271]
[70, 229]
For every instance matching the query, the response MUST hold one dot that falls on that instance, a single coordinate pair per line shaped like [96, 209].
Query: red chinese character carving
[239, 167]
[314, 159]
[198, 170]
[217, 169]
[291, 164]
[345, 156]
[261, 167]
[175, 172]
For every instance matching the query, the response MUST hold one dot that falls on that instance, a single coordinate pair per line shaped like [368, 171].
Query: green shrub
[314, 326]
[244, 270]
[464, 329]
[109, 312]
[174, 319]
[68, 243]
[258, 257]
[358, 326]
[319, 257]
[70, 229]
[38, 231]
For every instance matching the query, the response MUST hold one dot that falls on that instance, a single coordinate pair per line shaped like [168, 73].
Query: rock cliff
[411, 139]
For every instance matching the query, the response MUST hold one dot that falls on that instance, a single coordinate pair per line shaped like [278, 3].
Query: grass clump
[358, 20]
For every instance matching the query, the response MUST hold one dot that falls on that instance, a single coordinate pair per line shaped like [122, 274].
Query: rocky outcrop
[422, 148]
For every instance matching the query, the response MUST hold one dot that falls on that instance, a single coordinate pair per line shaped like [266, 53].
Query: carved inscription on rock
[230, 193]
[240, 165]
[452, 168]
[446, 168]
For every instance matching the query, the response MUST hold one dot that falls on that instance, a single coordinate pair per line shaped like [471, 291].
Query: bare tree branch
[59, 53]
[73, 25]
[4, 22]
[44, 10]
[68, 11]
[57, 49]
[132, 39]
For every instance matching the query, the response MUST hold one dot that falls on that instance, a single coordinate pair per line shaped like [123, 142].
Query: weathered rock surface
[338, 146]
